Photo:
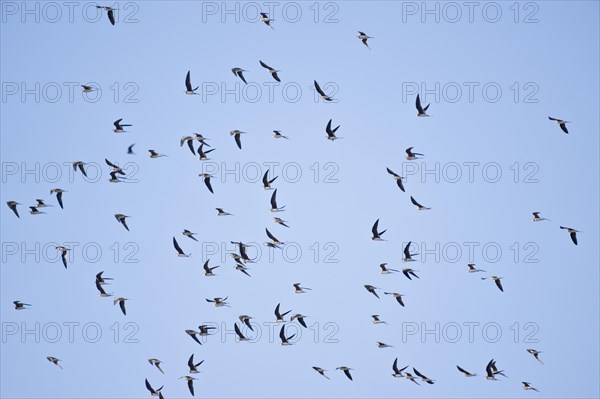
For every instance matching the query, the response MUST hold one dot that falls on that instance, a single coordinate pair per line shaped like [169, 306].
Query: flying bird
[281, 221]
[419, 206]
[473, 269]
[206, 178]
[203, 155]
[377, 234]
[277, 134]
[190, 383]
[63, 254]
[264, 17]
[279, 316]
[371, 289]
[496, 280]
[193, 366]
[221, 212]
[193, 334]
[188, 85]
[407, 255]
[246, 320]
[180, 252]
[237, 134]
[119, 127]
[20, 305]
[346, 371]
[156, 363]
[526, 385]
[285, 340]
[87, 89]
[363, 38]
[189, 234]
[536, 354]
[331, 133]
[130, 150]
[407, 271]
[54, 360]
[322, 94]
[321, 371]
[59, 193]
[190, 143]
[396, 177]
[377, 320]
[272, 71]
[110, 12]
[491, 370]
[572, 233]
[34, 211]
[266, 182]
[121, 302]
[153, 154]
[382, 345]
[300, 290]
[423, 377]
[420, 110]
[561, 123]
[537, 217]
[385, 269]
[208, 271]
[80, 165]
[300, 317]
[398, 372]
[101, 279]
[218, 301]
[242, 268]
[274, 239]
[41, 204]
[13, 206]
[114, 167]
[152, 391]
[239, 72]
[397, 296]
[411, 156]
[121, 219]
[465, 372]
[274, 207]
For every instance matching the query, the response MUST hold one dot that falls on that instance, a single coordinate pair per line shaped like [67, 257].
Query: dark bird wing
[188, 82]
[301, 321]
[238, 331]
[347, 372]
[149, 387]
[190, 144]
[191, 386]
[238, 140]
[405, 272]
[563, 126]
[99, 288]
[59, 198]
[271, 236]
[415, 202]
[64, 258]
[462, 370]
[82, 169]
[275, 76]
[122, 306]
[374, 228]
[111, 17]
[574, 237]
[400, 185]
[274, 199]
[208, 185]
[318, 88]
[264, 65]
[418, 104]
[177, 247]
[499, 284]
[241, 75]
[406, 250]
[124, 223]
[488, 369]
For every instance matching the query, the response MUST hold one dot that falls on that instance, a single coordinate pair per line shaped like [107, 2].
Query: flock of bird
[241, 258]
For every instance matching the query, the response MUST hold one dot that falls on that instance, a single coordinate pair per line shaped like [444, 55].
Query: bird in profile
[41, 204]
[423, 377]
[377, 320]
[278, 135]
[20, 305]
[153, 154]
[398, 179]
[121, 302]
[152, 391]
[331, 132]
[180, 252]
[561, 123]
[264, 18]
[54, 360]
[537, 217]
[206, 178]
[80, 165]
[122, 219]
[100, 279]
[63, 254]
[266, 182]
[156, 363]
[408, 272]
[190, 143]
[276, 243]
[119, 127]
[536, 354]
[13, 207]
[237, 134]
[397, 372]
[193, 366]
[188, 85]
[387, 270]
[419, 206]
[281, 221]
[218, 301]
[362, 36]
[346, 371]
[300, 317]
[465, 372]
[397, 296]
[491, 371]
[410, 377]
[271, 70]
[572, 233]
[376, 233]
[411, 156]
[239, 72]
[59, 194]
[278, 315]
[221, 212]
[110, 12]
[285, 340]
[190, 383]
[208, 271]
[115, 168]
[189, 234]
[298, 289]
[246, 320]
[420, 110]
[322, 94]
[383, 345]
[496, 280]
[101, 290]
[194, 335]
[473, 269]
[34, 211]
[407, 255]
[274, 207]
[320, 371]
[87, 89]
[371, 289]
[527, 386]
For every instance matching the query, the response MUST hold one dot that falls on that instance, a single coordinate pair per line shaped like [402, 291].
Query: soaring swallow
[206, 178]
[180, 252]
[377, 234]
[119, 127]
[420, 110]
[572, 233]
[322, 94]
[331, 132]
[188, 85]
[272, 71]
[110, 12]
[13, 206]
[237, 136]
[561, 123]
[121, 219]
[239, 72]
[419, 206]
[496, 280]
[59, 193]
[411, 156]
[362, 36]
[346, 371]
[398, 179]
[274, 207]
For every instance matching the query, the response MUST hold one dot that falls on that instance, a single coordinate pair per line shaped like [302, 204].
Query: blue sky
[491, 158]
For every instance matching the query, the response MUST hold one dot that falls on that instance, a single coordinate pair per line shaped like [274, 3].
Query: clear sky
[493, 73]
